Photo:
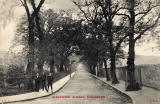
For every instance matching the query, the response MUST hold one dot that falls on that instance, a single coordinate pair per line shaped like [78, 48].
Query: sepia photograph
[79, 51]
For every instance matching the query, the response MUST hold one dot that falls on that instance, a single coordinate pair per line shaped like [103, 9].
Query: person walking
[37, 82]
[43, 78]
[50, 81]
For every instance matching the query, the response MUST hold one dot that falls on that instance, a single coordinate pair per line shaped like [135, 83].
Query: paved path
[145, 96]
[82, 86]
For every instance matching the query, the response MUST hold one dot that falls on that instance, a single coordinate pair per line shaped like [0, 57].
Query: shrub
[15, 75]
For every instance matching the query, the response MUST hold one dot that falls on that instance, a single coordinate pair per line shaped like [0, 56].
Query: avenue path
[82, 89]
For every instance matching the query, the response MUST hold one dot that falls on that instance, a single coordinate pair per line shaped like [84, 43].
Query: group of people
[42, 80]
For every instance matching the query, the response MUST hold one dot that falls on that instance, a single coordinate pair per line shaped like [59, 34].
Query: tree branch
[149, 8]
[117, 10]
[79, 6]
[37, 9]
[149, 27]
[22, 2]
[33, 4]
[27, 9]
[144, 13]
[121, 14]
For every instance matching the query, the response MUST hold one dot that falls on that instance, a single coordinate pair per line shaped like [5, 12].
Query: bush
[15, 75]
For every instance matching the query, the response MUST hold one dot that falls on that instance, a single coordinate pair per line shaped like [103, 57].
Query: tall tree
[41, 49]
[31, 26]
[143, 16]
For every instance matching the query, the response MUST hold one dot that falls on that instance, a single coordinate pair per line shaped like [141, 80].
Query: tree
[41, 49]
[31, 26]
[142, 16]
[102, 13]
[60, 31]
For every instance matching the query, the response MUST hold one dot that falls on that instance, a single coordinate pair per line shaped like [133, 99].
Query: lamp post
[70, 72]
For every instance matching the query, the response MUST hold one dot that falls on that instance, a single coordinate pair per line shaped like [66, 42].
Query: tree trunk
[109, 25]
[40, 65]
[112, 56]
[52, 70]
[40, 32]
[65, 67]
[94, 69]
[113, 67]
[107, 74]
[98, 69]
[132, 85]
[130, 62]
[41, 41]
[90, 68]
[30, 65]
[61, 67]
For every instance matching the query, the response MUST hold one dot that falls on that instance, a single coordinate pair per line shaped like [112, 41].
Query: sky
[10, 17]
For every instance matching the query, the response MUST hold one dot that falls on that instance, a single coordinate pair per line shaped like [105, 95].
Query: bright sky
[146, 49]
[9, 20]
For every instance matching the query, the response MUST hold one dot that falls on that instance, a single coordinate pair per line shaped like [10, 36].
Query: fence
[147, 75]
[122, 75]
[20, 83]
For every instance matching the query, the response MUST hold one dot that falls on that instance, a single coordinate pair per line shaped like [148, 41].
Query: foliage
[60, 31]
[15, 74]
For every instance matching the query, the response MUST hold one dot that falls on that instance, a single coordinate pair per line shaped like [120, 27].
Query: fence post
[141, 77]
[126, 80]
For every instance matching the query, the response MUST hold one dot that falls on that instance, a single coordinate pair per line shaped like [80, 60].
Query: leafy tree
[60, 33]
[31, 27]
[65, 36]
[142, 16]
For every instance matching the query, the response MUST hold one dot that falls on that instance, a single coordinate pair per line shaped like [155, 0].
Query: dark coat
[50, 79]
[37, 79]
[43, 77]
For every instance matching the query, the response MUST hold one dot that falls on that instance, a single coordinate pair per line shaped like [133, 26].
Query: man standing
[37, 82]
[43, 78]
[50, 81]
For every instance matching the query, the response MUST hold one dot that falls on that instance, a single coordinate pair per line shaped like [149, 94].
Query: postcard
[79, 52]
